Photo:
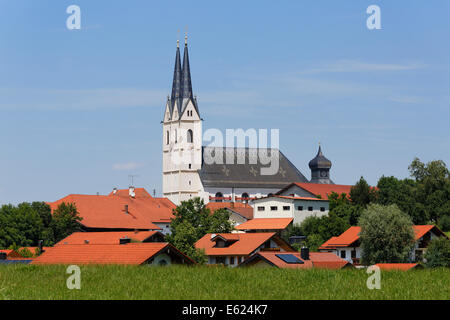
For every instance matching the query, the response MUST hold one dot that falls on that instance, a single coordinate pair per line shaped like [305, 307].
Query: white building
[297, 208]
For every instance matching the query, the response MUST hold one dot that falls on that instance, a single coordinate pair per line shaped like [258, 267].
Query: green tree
[65, 221]
[192, 221]
[438, 253]
[362, 194]
[386, 235]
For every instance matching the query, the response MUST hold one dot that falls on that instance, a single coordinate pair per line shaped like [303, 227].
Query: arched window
[167, 137]
[270, 195]
[176, 136]
[245, 197]
[190, 136]
[219, 195]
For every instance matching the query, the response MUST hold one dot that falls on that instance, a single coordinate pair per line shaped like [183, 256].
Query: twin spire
[182, 84]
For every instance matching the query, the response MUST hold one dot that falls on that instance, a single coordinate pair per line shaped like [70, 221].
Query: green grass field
[132, 282]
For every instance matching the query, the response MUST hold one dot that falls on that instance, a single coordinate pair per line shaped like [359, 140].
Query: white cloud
[79, 99]
[360, 66]
[127, 166]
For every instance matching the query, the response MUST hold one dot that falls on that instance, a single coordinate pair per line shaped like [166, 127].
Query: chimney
[114, 190]
[131, 192]
[40, 242]
[126, 209]
[304, 253]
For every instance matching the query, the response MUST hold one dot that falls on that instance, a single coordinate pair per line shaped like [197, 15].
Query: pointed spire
[176, 85]
[186, 73]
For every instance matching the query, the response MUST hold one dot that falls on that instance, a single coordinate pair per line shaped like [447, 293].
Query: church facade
[186, 174]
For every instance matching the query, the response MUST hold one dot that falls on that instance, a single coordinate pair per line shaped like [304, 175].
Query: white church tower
[182, 136]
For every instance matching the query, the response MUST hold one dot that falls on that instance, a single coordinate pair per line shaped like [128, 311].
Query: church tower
[320, 168]
[182, 135]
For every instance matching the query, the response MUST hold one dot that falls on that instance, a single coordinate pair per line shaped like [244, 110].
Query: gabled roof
[246, 175]
[246, 213]
[11, 254]
[132, 253]
[351, 235]
[398, 266]
[265, 224]
[109, 211]
[106, 237]
[319, 189]
[244, 243]
[316, 260]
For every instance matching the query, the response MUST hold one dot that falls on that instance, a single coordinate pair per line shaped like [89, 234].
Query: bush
[386, 235]
[438, 253]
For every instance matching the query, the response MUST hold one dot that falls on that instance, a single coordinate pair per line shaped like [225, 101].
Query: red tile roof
[297, 198]
[265, 224]
[132, 253]
[105, 237]
[246, 212]
[213, 206]
[397, 266]
[320, 189]
[316, 260]
[351, 235]
[11, 254]
[244, 243]
[109, 211]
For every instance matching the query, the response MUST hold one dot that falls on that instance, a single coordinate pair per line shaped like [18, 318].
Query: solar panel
[289, 258]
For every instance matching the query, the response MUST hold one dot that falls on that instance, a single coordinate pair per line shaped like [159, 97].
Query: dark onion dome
[320, 161]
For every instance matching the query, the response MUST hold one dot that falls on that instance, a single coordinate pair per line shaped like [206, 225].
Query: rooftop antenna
[132, 176]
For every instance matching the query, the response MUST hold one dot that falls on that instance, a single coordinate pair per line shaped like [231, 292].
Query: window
[322, 209]
[286, 208]
[310, 208]
[219, 195]
[343, 254]
[189, 182]
[300, 208]
[220, 260]
[245, 195]
[231, 260]
[190, 136]
[261, 208]
[176, 136]
[167, 137]
[353, 254]
[190, 166]
[274, 208]
[239, 259]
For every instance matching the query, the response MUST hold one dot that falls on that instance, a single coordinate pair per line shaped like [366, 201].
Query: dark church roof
[246, 175]
[320, 161]
[182, 84]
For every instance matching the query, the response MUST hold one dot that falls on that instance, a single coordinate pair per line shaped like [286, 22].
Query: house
[265, 225]
[121, 210]
[232, 248]
[12, 256]
[112, 237]
[399, 266]
[153, 253]
[313, 190]
[347, 245]
[297, 208]
[296, 260]
[239, 212]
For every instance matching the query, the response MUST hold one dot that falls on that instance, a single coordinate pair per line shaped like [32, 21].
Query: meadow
[203, 283]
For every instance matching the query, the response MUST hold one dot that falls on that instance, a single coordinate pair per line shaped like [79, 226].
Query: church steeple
[177, 77]
[186, 74]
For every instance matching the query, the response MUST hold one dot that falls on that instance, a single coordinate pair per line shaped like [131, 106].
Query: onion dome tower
[320, 168]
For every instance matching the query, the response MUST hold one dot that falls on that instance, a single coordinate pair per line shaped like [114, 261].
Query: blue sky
[80, 110]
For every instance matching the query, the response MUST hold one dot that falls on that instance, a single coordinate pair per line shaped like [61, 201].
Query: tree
[65, 221]
[362, 194]
[438, 253]
[320, 229]
[192, 221]
[386, 235]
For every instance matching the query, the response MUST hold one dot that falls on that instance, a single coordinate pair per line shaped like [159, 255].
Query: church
[185, 172]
